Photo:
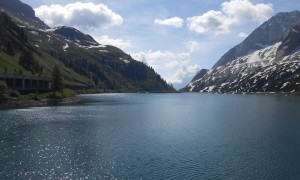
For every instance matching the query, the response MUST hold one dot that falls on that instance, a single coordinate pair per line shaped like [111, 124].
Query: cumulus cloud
[173, 67]
[120, 43]
[234, 12]
[173, 22]
[243, 10]
[81, 15]
[192, 46]
[212, 21]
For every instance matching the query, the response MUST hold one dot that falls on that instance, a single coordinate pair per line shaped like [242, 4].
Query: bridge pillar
[23, 83]
[14, 83]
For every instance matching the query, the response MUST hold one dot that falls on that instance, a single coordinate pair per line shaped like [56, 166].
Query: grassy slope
[11, 63]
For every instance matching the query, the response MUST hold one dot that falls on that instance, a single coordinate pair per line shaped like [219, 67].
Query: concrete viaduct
[26, 83]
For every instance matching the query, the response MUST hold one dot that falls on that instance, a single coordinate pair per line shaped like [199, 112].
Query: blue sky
[176, 38]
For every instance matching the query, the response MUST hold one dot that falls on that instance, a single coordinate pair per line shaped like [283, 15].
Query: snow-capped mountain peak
[269, 33]
[274, 68]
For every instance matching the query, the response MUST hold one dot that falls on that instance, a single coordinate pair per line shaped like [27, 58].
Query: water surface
[154, 136]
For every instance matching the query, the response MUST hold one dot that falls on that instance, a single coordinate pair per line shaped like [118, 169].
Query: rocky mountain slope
[273, 68]
[83, 61]
[269, 33]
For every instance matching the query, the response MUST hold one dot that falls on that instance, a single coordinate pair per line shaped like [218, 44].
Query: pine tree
[23, 36]
[57, 84]
[28, 62]
[10, 48]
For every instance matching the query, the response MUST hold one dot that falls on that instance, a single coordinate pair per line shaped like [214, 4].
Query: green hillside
[31, 51]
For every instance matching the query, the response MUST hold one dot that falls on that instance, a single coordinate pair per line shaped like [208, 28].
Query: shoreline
[45, 102]
[20, 104]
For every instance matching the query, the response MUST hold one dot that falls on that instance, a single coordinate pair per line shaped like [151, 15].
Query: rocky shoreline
[17, 104]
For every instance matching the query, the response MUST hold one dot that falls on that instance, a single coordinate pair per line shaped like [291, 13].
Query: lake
[154, 136]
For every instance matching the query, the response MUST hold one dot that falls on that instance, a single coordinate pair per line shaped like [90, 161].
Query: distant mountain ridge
[75, 35]
[82, 60]
[271, 61]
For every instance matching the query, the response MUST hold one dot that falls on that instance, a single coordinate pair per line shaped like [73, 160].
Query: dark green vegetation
[57, 84]
[3, 92]
[29, 48]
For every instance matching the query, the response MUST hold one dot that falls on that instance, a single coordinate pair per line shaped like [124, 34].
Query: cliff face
[290, 43]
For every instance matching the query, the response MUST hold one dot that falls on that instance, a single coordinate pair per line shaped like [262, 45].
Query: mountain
[200, 74]
[75, 36]
[11, 35]
[270, 32]
[84, 63]
[22, 13]
[273, 67]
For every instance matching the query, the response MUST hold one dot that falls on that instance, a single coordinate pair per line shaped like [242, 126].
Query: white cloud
[243, 10]
[234, 12]
[120, 43]
[212, 21]
[173, 22]
[243, 35]
[192, 46]
[183, 72]
[171, 64]
[159, 59]
[81, 15]
[173, 67]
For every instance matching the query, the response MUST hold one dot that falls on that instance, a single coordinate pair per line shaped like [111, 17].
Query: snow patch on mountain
[34, 32]
[104, 51]
[65, 47]
[91, 46]
[125, 60]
